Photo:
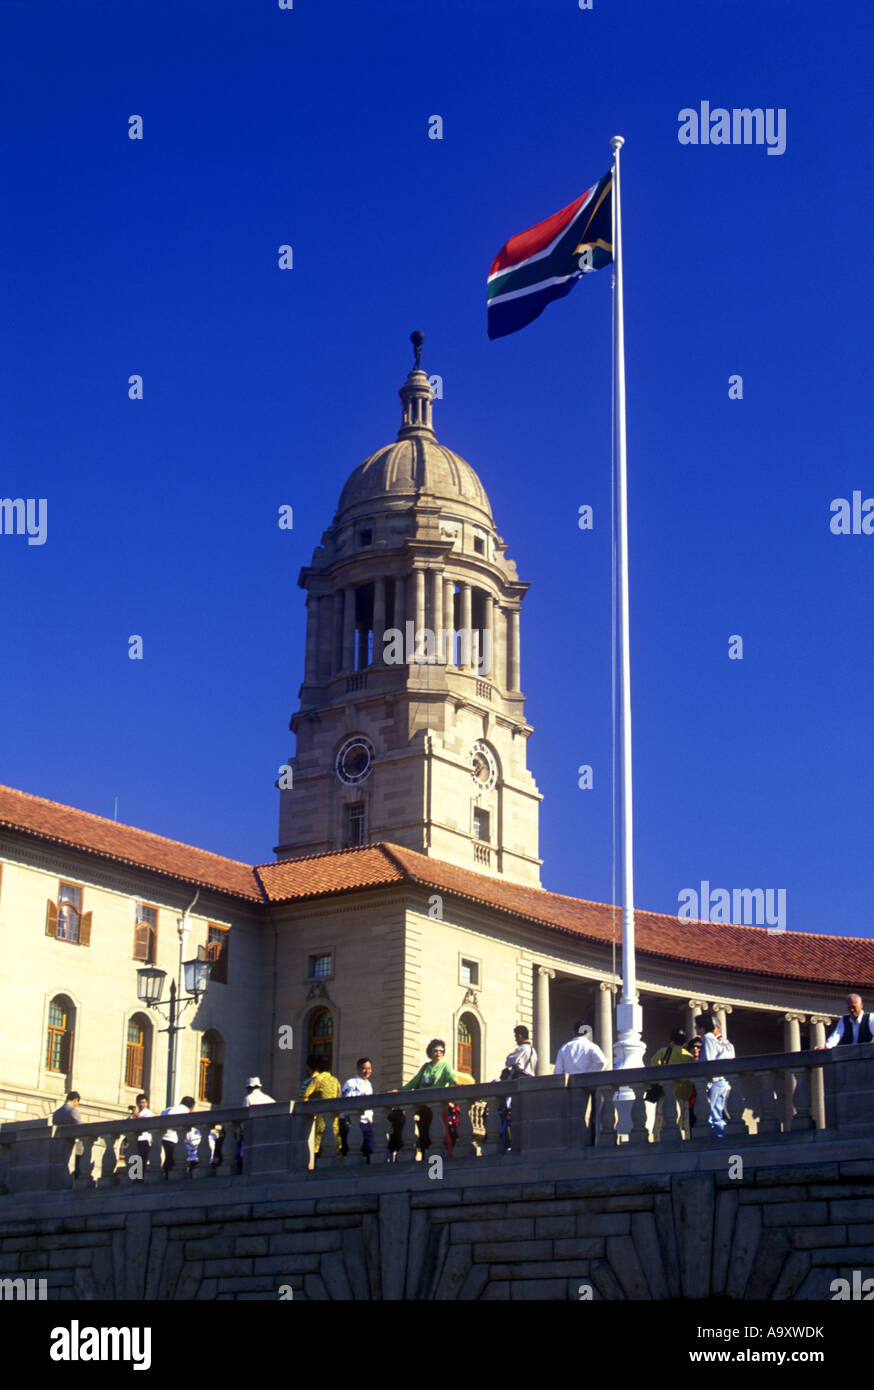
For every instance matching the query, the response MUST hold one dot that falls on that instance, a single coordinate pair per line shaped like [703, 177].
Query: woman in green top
[435, 1072]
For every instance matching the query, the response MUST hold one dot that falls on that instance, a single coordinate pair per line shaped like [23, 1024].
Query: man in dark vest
[856, 1026]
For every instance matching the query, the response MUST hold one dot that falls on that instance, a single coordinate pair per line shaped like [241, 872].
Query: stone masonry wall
[780, 1233]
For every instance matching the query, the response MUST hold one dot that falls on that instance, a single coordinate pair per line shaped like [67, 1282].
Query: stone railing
[779, 1096]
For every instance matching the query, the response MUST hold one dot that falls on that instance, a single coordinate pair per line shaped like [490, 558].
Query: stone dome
[408, 467]
[415, 463]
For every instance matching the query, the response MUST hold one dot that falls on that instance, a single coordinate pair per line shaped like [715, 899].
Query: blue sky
[264, 387]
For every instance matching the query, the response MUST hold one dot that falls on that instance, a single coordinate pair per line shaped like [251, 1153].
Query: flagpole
[629, 1015]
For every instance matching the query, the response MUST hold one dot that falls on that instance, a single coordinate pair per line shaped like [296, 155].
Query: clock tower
[411, 726]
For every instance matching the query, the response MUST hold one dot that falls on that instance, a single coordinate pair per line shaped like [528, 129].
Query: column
[312, 640]
[513, 676]
[720, 1013]
[378, 620]
[400, 611]
[818, 1025]
[605, 1021]
[325, 656]
[465, 653]
[792, 1032]
[420, 606]
[337, 661]
[542, 1039]
[437, 613]
[349, 628]
[487, 644]
[694, 1006]
[449, 616]
[791, 1043]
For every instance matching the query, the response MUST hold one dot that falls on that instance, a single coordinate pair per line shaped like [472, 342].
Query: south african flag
[544, 262]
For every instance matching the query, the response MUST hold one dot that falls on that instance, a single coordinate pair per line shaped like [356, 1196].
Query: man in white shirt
[581, 1054]
[358, 1085]
[170, 1137]
[254, 1094]
[522, 1061]
[856, 1026]
[714, 1046]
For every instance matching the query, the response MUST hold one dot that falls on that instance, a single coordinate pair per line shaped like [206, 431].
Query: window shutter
[216, 1087]
[51, 918]
[141, 941]
[67, 1051]
[85, 929]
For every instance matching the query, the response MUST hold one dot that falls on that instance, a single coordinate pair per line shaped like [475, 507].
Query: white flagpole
[629, 1048]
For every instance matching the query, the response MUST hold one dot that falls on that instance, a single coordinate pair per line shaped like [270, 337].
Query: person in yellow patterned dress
[321, 1085]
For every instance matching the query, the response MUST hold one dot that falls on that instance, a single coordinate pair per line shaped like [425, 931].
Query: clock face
[483, 768]
[354, 760]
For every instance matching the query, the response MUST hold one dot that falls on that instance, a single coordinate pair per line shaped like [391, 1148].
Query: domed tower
[411, 725]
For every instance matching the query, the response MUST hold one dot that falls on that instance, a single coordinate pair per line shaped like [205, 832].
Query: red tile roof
[843, 961]
[125, 844]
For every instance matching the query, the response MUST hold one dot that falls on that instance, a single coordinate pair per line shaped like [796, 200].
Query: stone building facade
[405, 901]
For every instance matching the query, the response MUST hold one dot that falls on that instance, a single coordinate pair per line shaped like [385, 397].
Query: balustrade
[525, 1120]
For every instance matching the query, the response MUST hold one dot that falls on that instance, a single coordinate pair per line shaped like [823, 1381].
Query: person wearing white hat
[254, 1095]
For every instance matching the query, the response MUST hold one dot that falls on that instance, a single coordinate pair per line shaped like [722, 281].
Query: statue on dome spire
[417, 338]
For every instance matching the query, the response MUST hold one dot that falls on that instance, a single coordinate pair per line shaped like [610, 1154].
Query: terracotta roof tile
[834, 960]
[843, 961]
[339, 871]
[125, 844]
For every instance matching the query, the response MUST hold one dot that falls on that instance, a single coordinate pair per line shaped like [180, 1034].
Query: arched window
[138, 1053]
[467, 1045]
[209, 1087]
[320, 1036]
[59, 1038]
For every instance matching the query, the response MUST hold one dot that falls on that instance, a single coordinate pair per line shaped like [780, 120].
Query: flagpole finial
[617, 142]
[417, 338]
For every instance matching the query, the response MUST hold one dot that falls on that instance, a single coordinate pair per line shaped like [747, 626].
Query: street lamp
[150, 986]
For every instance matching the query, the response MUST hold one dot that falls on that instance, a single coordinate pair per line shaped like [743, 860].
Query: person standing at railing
[435, 1072]
[674, 1053]
[581, 1054]
[68, 1114]
[359, 1085]
[255, 1095]
[144, 1141]
[714, 1048]
[522, 1061]
[170, 1137]
[856, 1026]
[321, 1086]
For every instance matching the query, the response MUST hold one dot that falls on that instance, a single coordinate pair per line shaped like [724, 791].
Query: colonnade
[346, 628]
[604, 1012]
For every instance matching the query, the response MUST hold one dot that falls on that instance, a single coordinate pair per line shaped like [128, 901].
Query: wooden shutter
[51, 918]
[141, 941]
[85, 929]
[215, 1083]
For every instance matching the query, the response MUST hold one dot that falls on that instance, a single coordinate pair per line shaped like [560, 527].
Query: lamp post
[150, 986]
